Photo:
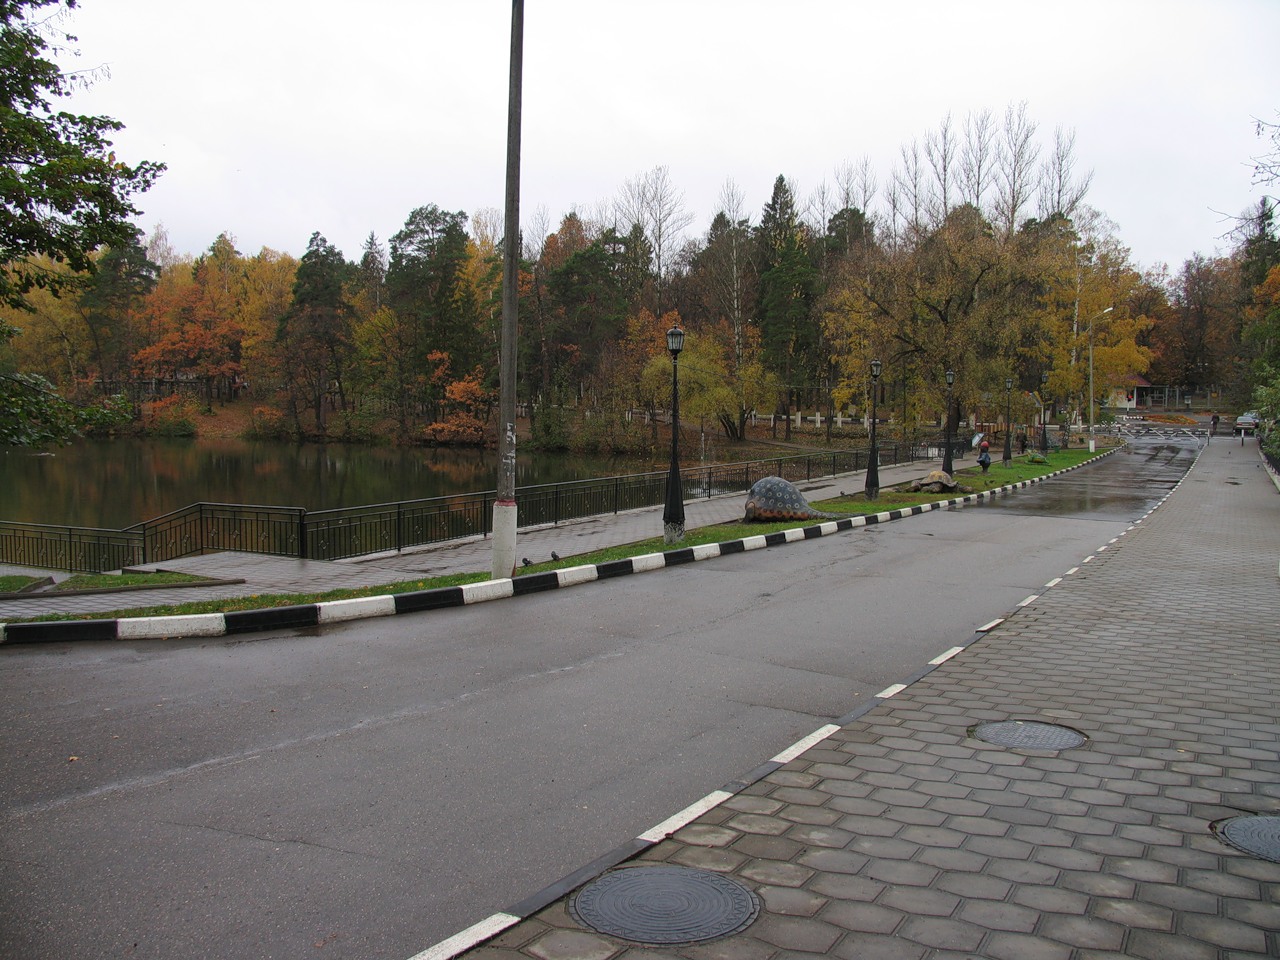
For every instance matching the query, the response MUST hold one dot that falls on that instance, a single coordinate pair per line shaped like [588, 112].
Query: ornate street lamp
[1008, 423]
[1044, 415]
[673, 514]
[872, 488]
[947, 466]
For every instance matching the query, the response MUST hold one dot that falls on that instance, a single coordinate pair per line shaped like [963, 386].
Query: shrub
[267, 423]
[174, 416]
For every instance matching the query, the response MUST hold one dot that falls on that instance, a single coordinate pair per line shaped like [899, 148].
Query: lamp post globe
[872, 487]
[1044, 415]
[948, 467]
[673, 513]
[1008, 423]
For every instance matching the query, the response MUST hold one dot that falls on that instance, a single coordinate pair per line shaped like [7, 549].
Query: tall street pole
[673, 513]
[871, 488]
[948, 467]
[504, 508]
[1008, 423]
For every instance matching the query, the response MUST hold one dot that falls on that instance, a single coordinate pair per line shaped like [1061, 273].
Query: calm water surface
[116, 483]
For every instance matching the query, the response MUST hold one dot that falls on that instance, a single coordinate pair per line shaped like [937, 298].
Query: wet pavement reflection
[1125, 485]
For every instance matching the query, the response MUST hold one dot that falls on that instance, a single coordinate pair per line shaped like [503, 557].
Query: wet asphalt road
[373, 789]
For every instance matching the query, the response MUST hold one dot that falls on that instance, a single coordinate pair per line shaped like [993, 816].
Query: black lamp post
[1008, 423]
[1044, 415]
[673, 514]
[872, 488]
[947, 466]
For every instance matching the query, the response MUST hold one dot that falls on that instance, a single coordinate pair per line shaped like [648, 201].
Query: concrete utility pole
[504, 508]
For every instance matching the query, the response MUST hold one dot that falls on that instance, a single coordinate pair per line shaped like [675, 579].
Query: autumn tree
[64, 195]
[199, 338]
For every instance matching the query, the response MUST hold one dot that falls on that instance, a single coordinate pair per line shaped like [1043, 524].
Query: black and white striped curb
[338, 611]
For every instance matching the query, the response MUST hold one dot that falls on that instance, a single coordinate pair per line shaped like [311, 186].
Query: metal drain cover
[665, 905]
[1258, 836]
[1029, 735]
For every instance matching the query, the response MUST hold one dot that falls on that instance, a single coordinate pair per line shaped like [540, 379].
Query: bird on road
[554, 555]
[527, 562]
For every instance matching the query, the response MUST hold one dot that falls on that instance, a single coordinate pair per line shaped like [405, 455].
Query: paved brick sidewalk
[903, 835]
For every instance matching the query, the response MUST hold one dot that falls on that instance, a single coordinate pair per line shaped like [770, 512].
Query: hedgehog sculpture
[772, 498]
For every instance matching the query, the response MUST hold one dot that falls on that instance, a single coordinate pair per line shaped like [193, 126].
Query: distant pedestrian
[1213, 425]
[984, 456]
[1022, 443]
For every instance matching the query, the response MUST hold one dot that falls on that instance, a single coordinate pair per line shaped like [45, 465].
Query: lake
[116, 483]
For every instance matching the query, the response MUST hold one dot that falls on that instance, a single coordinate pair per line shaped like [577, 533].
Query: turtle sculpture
[772, 498]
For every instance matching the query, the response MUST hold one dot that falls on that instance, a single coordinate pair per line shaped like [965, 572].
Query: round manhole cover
[665, 905]
[1029, 735]
[1259, 836]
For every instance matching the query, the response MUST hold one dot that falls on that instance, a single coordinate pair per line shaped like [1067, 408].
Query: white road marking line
[990, 626]
[468, 938]
[944, 657]
[888, 692]
[686, 816]
[800, 746]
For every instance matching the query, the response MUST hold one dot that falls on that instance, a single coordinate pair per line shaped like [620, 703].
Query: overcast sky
[278, 118]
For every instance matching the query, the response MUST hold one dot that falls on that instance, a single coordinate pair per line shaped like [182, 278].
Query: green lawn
[851, 505]
[12, 583]
[107, 581]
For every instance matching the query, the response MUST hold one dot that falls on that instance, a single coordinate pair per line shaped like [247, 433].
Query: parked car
[1248, 422]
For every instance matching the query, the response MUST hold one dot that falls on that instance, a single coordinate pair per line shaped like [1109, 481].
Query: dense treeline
[977, 254]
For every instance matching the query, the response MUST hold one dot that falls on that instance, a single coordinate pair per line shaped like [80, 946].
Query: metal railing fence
[358, 531]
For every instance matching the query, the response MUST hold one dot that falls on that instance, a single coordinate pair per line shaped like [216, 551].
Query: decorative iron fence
[359, 531]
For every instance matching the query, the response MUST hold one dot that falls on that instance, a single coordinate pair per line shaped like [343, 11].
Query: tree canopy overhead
[63, 191]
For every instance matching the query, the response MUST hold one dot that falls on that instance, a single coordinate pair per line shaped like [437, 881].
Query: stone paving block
[818, 816]
[748, 803]
[572, 945]
[863, 917]
[996, 915]
[1015, 946]
[920, 901]
[1152, 945]
[942, 933]
[707, 835]
[720, 861]
[741, 947]
[1051, 899]
[865, 946]
[871, 826]
[1092, 932]
[1226, 933]
[916, 816]
[768, 848]
[776, 874]
[834, 861]
[791, 902]
[819, 836]
[753, 823]
[901, 873]
[1133, 913]
[793, 933]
